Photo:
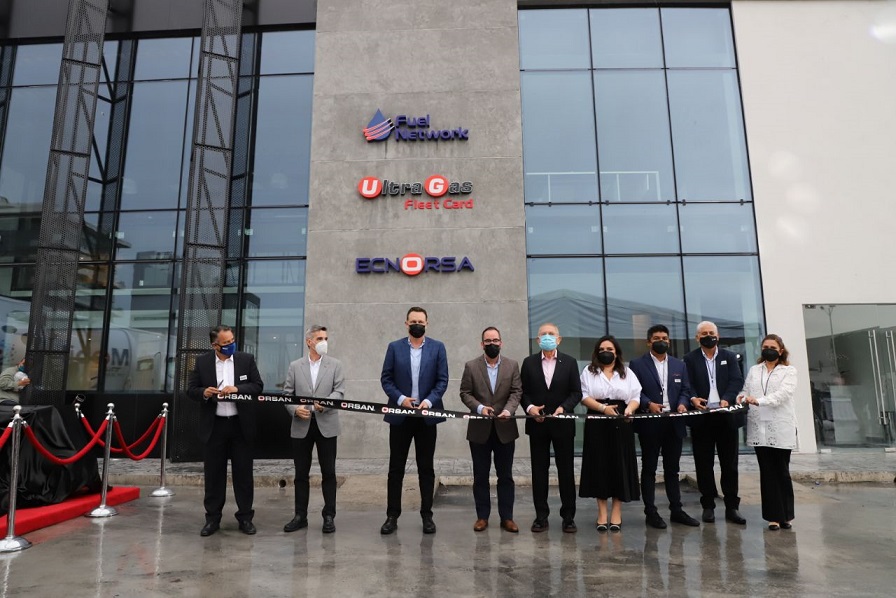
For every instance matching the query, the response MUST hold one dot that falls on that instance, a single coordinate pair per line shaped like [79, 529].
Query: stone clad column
[457, 62]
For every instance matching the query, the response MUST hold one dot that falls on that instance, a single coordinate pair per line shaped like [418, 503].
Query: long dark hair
[784, 352]
[596, 366]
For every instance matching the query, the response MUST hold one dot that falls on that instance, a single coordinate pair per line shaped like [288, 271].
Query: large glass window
[23, 166]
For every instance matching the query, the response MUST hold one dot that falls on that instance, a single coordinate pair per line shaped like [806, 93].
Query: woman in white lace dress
[771, 428]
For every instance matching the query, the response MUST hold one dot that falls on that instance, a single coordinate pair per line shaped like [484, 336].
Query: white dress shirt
[225, 377]
[713, 400]
[315, 368]
[662, 370]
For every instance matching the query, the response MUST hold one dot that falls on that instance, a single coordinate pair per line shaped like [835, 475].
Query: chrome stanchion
[162, 491]
[103, 510]
[12, 542]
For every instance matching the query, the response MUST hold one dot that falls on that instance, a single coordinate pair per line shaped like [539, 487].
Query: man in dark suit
[314, 375]
[226, 429]
[415, 376]
[716, 379]
[491, 386]
[551, 386]
[664, 389]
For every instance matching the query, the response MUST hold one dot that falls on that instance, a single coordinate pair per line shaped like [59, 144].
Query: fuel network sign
[410, 128]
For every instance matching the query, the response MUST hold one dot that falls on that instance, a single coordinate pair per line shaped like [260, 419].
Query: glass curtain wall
[638, 201]
[126, 315]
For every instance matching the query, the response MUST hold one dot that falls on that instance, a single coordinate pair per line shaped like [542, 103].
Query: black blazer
[246, 379]
[729, 382]
[677, 385]
[565, 390]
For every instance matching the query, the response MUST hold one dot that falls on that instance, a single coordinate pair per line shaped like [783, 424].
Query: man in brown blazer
[491, 386]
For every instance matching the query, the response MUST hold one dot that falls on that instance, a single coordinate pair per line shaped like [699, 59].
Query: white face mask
[321, 348]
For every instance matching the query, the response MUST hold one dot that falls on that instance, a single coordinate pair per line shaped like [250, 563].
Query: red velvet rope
[91, 432]
[29, 434]
[131, 446]
[5, 436]
[127, 449]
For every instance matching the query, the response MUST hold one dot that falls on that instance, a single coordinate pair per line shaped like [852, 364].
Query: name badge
[677, 380]
[244, 377]
[723, 362]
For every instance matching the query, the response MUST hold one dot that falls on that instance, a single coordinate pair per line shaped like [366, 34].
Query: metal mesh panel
[205, 234]
[59, 249]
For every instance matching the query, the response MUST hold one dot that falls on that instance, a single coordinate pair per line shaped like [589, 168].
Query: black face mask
[770, 354]
[492, 351]
[606, 357]
[417, 330]
[709, 341]
[660, 347]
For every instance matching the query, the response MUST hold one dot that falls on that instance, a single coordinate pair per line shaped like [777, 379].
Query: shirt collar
[657, 361]
[218, 359]
[421, 344]
[546, 358]
[497, 363]
[714, 353]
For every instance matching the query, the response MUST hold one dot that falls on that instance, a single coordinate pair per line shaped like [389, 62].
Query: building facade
[604, 166]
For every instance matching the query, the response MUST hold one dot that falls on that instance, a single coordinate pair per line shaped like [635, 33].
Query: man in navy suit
[415, 376]
[664, 389]
[226, 429]
[717, 379]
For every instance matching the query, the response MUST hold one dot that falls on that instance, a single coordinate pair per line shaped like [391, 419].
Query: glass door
[852, 372]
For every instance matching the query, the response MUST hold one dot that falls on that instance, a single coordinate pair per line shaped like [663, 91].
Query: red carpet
[30, 519]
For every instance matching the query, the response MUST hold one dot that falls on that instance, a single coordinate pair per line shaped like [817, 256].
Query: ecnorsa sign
[412, 264]
[436, 187]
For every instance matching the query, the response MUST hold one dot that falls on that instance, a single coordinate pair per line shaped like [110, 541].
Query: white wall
[819, 92]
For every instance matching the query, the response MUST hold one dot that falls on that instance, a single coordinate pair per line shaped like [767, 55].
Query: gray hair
[309, 333]
[705, 323]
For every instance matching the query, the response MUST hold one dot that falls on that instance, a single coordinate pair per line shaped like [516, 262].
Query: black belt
[225, 416]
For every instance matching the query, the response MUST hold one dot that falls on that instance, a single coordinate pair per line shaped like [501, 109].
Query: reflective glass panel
[96, 244]
[698, 37]
[726, 290]
[642, 292]
[167, 58]
[19, 236]
[287, 52]
[563, 230]
[626, 38]
[276, 233]
[633, 136]
[283, 141]
[717, 228]
[146, 236]
[570, 293]
[15, 309]
[23, 169]
[37, 64]
[153, 164]
[559, 154]
[708, 135]
[554, 39]
[640, 229]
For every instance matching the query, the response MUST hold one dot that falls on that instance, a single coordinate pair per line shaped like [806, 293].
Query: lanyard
[769, 379]
[711, 370]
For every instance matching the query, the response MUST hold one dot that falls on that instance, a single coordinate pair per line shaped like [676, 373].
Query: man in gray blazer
[491, 386]
[315, 375]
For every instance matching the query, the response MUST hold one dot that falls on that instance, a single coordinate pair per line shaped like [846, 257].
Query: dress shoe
[654, 520]
[601, 527]
[247, 527]
[510, 526]
[329, 526]
[429, 526]
[734, 516]
[540, 525]
[389, 526]
[297, 522]
[569, 526]
[480, 525]
[709, 515]
[684, 519]
[786, 525]
[616, 527]
[774, 527]
[209, 528]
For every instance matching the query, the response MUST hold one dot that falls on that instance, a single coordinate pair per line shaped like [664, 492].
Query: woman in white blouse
[609, 464]
[771, 428]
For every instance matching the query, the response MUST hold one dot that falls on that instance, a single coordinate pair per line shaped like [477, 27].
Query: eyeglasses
[491, 341]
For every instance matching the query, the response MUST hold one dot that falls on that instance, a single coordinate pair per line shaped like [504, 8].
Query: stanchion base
[14, 544]
[162, 491]
[102, 512]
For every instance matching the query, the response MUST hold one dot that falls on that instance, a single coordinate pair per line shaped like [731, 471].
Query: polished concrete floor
[842, 544]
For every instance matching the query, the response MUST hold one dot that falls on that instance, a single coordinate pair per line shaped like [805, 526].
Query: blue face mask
[22, 368]
[547, 342]
[228, 350]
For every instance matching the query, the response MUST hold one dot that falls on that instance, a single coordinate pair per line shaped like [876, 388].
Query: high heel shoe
[774, 527]
[616, 527]
[601, 527]
[786, 525]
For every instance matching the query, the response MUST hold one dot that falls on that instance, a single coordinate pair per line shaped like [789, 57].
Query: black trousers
[326, 457]
[558, 435]
[775, 485]
[662, 439]
[227, 442]
[715, 435]
[424, 437]
[482, 466]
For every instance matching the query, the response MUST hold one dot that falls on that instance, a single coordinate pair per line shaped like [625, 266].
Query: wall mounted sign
[436, 186]
[410, 128]
[412, 264]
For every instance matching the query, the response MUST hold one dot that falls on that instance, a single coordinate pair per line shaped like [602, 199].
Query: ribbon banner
[384, 409]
